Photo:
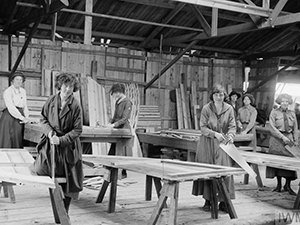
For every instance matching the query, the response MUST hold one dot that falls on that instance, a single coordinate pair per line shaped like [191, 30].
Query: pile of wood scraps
[186, 134]
[187, 107]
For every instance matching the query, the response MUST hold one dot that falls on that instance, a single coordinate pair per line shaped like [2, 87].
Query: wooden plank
[184, 109]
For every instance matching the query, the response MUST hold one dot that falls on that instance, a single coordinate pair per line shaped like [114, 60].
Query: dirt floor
[252, 206]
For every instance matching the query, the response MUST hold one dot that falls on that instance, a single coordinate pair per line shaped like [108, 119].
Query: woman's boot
[206, 206]
[278, 187]
[287, 187]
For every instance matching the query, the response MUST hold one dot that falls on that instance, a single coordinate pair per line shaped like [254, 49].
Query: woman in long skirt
[15, 114]
[217, 121]
[284, 131]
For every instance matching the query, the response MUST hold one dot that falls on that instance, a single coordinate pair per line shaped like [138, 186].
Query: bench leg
[227, 200]
[169, 189]
[102, 191]
[297, 201]
[258, 177]
[148, 189]
[113, 190]
[59, 211]
[213, 198]
[8, 191]
[173, 204]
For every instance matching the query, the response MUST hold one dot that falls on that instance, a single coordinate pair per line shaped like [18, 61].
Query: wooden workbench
[172, 172]
[276, 161]
[187, 140]
[33, 133]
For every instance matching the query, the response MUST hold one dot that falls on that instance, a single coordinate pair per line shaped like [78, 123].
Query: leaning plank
[22, 178]
[184, 109]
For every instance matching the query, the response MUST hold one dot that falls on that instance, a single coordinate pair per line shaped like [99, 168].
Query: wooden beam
[297, 59]
[166, 20]
[271, 54]
[130, 20]
[283, 20]
[171, 63]
[20, 56]
[94, 33]
[230, 6]
[88, 22]
[208, 48]
[11, 16]
[201, 19]
[276, 11]
[253, 17]
[214, 22]
[54, 23]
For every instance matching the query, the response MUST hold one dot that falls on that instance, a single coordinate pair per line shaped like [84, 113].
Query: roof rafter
[167, 19]
[231, 6]
[171, 5]
[199, 16]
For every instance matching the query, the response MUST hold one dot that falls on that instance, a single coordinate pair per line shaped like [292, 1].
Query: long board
[234, 153]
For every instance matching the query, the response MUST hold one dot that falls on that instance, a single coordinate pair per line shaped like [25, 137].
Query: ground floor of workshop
[252, 206]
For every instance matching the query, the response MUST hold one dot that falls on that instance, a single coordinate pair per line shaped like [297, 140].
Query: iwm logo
[288, 217]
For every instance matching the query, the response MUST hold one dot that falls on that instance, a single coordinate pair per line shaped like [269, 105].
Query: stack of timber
[94, 109]
[149, 118]
[187, 107]
[35, 105]
[132, 92]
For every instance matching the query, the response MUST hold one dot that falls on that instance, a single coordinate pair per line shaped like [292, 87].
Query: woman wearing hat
[217, 122]
[247, 114]
[284, 131]
[15, 115]
[233, 97]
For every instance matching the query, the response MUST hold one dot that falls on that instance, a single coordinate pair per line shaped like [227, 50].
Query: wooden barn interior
[169, 54]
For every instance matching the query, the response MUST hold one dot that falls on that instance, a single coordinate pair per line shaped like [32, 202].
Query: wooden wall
[260, 70]
[109, 65]
[205, 72]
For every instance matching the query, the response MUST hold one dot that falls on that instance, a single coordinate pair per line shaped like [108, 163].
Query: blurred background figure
[247, 114]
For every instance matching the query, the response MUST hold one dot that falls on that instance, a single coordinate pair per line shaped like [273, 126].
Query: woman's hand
[244, 132]
[54, 140]
[110, 125]
[25, 120]
[286, 140]
[219, 136]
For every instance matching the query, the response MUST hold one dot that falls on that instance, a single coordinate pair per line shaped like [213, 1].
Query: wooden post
[88, 23]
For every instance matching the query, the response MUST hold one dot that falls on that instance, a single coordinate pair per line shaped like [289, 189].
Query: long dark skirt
[11, 130]
[210, 152]
[277, 148]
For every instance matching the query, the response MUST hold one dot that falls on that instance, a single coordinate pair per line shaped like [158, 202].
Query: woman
[246, 115]
[15, 115]
[123, 107]
[284, 131]
[233, 97]
[62, 125]
[217, 122]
